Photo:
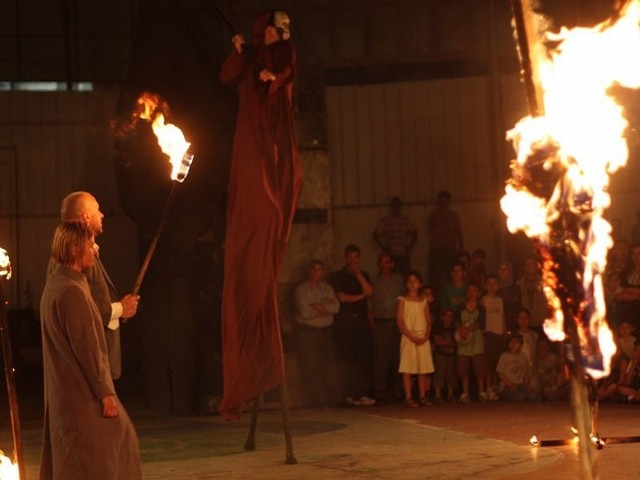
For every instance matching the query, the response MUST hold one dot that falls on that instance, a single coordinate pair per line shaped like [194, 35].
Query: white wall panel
[411, 139]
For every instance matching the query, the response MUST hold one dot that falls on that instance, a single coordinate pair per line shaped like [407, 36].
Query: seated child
[514, 370]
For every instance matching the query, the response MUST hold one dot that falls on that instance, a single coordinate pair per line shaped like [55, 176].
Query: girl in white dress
[414, 322]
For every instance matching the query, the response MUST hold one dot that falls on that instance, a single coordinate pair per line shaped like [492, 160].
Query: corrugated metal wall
[413, 139]
[51, 143]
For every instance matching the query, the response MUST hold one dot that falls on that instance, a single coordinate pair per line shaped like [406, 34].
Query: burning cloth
[264, 186]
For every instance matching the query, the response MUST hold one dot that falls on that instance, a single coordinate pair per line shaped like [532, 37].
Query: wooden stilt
[250, 444]
[290, 459]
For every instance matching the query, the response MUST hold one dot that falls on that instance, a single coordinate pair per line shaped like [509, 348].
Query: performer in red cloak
[264, 186]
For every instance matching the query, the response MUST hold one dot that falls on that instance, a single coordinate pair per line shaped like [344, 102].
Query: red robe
[264, 186]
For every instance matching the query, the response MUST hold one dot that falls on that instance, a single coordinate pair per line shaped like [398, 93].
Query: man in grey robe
[82, 206]
[87, 433]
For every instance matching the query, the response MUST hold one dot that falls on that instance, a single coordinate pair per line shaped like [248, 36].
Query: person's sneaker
[464, 398]
[352, 401]
[438, 399]
[493, 395]
[366, 401]
[483, 397]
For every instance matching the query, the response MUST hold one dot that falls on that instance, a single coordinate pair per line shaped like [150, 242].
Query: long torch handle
[246, 53]
[11, 387]
[156, 237]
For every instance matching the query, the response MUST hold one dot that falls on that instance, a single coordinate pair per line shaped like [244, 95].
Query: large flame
[170, 138]
[5, 265]
[8, 469]
[564, 159]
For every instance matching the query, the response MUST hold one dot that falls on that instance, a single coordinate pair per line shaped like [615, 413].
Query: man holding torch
[83, 207]
[264, 185]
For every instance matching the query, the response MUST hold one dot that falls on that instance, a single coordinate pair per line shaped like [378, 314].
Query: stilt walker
[264, 187]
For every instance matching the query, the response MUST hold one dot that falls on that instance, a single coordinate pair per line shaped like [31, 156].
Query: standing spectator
[470, 322]
[635, 231]
[353, 332]
[316, 304]
[415, 348]
[495, 338]
[87, 433]
[478, 267]
[510, 294]
[387, 287]
[514, 370]
[445, 238]
[452, 295]
[532, 297]
[628, 297]
[445, 356]
[396, 234]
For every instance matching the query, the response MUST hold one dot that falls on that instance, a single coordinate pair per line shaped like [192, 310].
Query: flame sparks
[558, 192]
[5, 264]
[170, 138]
[8, 469]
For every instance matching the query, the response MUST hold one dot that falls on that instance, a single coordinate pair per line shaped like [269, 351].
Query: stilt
[250, 444]
[290, 459]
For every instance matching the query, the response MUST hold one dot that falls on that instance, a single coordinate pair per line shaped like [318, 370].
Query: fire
[558, 192]
[5, 264]
[170, 138]
[8, 469]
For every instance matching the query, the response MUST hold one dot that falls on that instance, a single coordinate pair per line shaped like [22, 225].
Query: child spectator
[495, 338]
[612, 287]
[607, 388]
[551, 373]
[630, 385]
[529, 337]
[510, 294]
[478, 268]
[470, 323]
[445, 356]
[452, 295]
[464, 258]
[514, 370]
[626, 339]
[430, 295]
[414, 322]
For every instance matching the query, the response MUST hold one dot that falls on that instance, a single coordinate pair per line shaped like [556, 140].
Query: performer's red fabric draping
[264, 186]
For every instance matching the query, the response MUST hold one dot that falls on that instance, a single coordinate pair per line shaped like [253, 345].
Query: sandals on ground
[411, 403]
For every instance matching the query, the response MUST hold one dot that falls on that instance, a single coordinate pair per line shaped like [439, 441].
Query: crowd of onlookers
[468, 333]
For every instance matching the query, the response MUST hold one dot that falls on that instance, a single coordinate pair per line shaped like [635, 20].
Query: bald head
[82, 206]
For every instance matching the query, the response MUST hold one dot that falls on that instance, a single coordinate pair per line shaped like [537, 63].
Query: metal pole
[9, 372]
[156, 237]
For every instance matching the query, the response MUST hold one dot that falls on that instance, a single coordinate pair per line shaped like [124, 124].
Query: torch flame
[564, 159]
[8, 469]
[5, 265]
[170, 138]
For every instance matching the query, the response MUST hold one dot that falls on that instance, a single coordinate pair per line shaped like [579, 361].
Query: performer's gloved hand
[238, 42]
[267, 76]
[109, 406]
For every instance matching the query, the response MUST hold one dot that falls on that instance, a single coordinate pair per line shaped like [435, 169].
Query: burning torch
[7, 468]
[173, 144]
[572, 140]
